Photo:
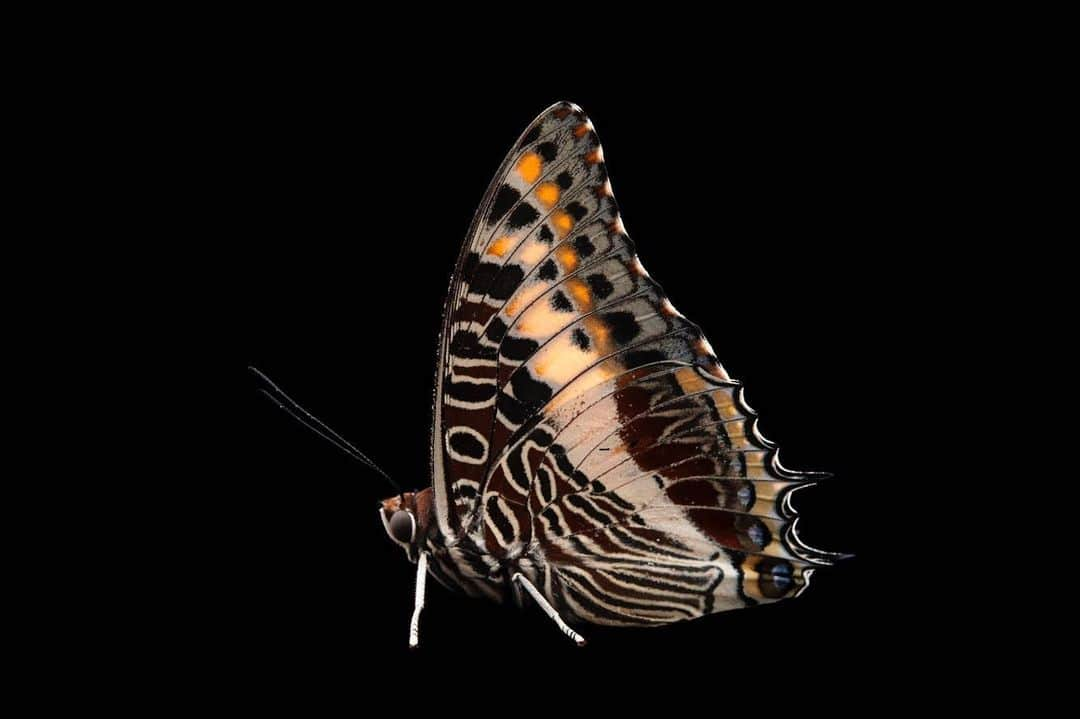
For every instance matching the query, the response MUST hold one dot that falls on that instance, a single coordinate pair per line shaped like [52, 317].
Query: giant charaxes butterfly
[587, 446]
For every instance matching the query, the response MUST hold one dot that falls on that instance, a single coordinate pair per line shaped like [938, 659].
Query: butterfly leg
[421, 583]
[549, 610]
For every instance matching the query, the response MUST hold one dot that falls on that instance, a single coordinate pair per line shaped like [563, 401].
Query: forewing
[548, 291]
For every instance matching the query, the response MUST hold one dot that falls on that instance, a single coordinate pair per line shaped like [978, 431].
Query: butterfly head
[406, 519]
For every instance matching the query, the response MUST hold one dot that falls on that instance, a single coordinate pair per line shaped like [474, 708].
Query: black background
[776, 210]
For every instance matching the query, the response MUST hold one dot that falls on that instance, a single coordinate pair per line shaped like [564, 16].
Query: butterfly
[588, 449]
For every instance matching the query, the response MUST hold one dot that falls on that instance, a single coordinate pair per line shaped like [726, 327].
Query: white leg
[548, 609]
[421, 582]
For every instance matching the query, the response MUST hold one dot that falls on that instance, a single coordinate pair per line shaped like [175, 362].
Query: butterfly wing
[656, 499]
[547, 211]
[585, 427]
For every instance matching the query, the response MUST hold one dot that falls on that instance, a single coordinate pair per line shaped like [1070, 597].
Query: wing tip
[572, 106]
[561, 109]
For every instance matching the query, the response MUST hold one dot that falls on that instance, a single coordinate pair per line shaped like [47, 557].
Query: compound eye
[402, 526]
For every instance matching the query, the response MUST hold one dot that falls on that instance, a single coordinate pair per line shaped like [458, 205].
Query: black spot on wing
[529, 391]
[624, 328]
[565, 466]
[548, 151]
[581, 339]
[496, 330]
[639, 358]
[548, 271]
[561, 460]
[482, 276]
[565, 179]
[524, 214]
[600, 285]
[546, 486]
[506, 282]
[530, 137]
[467, 445]
[584, 246]
[471, 261]
[500, 520]
[560, 303]
[514, 410]
[504, 200]
[577, 210]
[518, 349]
[470, 392]
[541, 436]
[514, 462]
[546, 236]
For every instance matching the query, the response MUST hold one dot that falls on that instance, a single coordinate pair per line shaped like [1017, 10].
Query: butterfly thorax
[460, 563]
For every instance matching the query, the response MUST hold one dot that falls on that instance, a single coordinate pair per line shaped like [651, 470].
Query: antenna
[277, 395]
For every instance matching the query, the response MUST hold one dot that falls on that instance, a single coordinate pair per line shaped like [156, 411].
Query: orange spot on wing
[567, 258]
[581, 294]
[529, 167]
[595, 156]
[736, 431]
[500, 246]
[548, 193]
[581, 129]
[725, 405]
[599, 333]
[689, 380]
[562, 221]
